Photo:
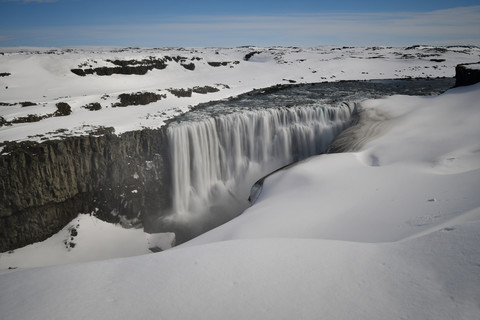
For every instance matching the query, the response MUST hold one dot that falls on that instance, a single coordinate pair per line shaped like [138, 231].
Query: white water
[215, 161]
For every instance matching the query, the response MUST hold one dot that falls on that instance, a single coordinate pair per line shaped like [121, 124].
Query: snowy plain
[389, 230]
[43, 76]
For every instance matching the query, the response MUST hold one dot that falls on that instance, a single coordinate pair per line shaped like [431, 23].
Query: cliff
[45, 185]
[467, 74]
[139, 177]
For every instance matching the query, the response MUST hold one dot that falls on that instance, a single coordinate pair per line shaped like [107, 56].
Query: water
[219, 158]
[220, 149]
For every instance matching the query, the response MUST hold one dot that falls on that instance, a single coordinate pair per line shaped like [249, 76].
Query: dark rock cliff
[45, 185]
[465, 75]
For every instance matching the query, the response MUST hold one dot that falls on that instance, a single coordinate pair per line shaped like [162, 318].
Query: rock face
[45, 185]
[467, 74]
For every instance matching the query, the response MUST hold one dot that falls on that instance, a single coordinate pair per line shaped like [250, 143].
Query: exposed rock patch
[189, 66]
[181, 93]
[467, 74]
[133, 67]
[249, 55]
[205, 89]
[222, 63]
[28, 118]
[139, 98]
[63, 109]
[23, 104]
[126, 67]
[94, 106]
[185, 93]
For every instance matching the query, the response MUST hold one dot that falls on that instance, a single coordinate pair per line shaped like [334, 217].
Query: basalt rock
[45, 185]
[94, 106]
[139, 98]
[249, 55]
[205, 89]
[63, 109]
[126, 67]
[181, 93]
[189, 66]
[466, 75]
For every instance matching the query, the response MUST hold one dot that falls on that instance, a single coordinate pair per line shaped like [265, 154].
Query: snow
[43, 76]
[474, 66]
[93, 239]
[428, 146]
[434, 277]
[389, 230]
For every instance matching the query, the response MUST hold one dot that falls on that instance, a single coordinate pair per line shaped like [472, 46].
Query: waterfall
[215, 160]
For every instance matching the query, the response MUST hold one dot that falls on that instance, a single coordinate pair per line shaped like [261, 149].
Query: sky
[171, 23]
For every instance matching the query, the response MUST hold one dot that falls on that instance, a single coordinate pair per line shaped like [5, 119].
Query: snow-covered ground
[390, 230]
[86, 238]
[43, 76]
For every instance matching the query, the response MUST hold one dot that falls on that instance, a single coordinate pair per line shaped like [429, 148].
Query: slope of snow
[43, 76]
[86, 238]
[434, 277]
[389, 231]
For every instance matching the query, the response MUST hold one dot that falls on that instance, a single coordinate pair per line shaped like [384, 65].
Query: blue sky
[160, 23]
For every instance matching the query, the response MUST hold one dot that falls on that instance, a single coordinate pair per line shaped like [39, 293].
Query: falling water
[219, 150]
[216, 160]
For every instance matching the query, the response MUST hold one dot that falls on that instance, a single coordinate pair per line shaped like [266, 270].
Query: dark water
[324, 93]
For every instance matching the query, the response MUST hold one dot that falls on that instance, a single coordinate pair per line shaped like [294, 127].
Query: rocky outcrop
[134, 67]
[94, 106]
[127, 67]
[139, 98]
[23, 104]
[249, 55]
[222, 63]
[63, 109]
[205, 89]
[467, 74]
[183, 93]
[45, 185]
[189, 66]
